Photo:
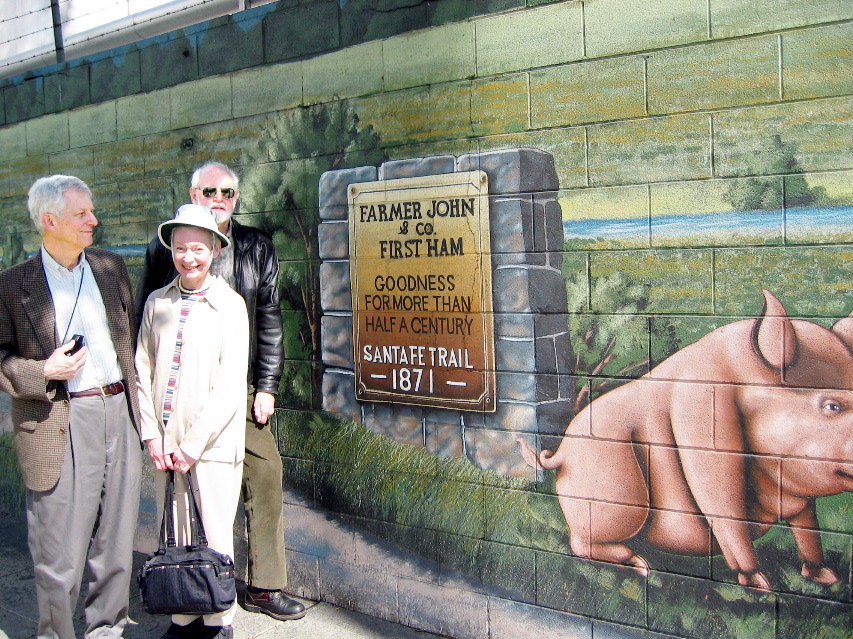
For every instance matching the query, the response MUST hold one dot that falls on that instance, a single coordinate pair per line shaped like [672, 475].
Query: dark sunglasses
[210, 191]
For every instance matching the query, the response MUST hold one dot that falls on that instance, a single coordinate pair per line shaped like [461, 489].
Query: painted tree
[609, 347]
[761, 193]
[281, 178]
[12, 250]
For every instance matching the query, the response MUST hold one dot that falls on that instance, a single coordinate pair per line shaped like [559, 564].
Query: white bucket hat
[191, 215]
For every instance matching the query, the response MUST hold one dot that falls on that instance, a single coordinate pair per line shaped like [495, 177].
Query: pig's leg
[804, 527]
[676, 524]
[708, 431]
[603, 494]
[588, 522]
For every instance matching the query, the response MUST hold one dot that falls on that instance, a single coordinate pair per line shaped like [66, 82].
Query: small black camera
[79, 341]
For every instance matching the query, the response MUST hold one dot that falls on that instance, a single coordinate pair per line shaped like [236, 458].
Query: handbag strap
[167, 524]
[198, 537]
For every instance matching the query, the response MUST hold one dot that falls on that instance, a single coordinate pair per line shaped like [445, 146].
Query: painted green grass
[699, 240]
[511, 534]
[11, 483]
[814, 282]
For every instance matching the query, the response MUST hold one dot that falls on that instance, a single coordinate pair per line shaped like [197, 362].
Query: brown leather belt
[101, 391]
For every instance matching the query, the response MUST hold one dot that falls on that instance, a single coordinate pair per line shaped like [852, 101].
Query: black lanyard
[76, 299]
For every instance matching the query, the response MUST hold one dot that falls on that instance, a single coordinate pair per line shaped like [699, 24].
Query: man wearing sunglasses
[250, 266]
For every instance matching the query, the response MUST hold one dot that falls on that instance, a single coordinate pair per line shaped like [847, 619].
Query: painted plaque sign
[420, 265]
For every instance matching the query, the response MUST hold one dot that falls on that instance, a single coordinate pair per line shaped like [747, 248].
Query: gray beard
[221, 216]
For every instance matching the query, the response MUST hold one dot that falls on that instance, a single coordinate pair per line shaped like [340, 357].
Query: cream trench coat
[208, 420]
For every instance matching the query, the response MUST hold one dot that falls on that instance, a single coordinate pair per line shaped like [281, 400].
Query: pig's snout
[845, 471]
[845, 478]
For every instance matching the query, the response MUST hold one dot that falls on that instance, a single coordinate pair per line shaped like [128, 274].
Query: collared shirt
[79, 309]
[223, 265]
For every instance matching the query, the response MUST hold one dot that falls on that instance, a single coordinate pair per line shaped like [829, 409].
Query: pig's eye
[832, 406]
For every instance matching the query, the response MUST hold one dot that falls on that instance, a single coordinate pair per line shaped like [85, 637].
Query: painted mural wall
[699, 484]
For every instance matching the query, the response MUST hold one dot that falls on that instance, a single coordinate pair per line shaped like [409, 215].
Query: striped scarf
[188, 298]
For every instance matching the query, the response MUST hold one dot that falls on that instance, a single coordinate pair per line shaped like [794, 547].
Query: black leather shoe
[220, 632]
[192, 630]
[275, 604]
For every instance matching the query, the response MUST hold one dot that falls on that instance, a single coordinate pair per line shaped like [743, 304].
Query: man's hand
[155, 451]
[263, 407]
[62, 366]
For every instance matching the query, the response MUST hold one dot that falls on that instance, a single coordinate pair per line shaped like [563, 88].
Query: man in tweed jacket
[75, 415]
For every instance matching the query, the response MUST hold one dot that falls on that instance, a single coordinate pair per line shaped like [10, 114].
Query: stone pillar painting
[522, 260]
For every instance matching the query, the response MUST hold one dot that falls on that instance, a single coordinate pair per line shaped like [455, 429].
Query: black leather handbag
[193, 579]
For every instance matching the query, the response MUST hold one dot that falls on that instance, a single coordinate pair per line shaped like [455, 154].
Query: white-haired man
[250, 266]
[75, 412]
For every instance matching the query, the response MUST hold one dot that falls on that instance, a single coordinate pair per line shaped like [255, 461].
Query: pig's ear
[844, 329]
[773, 336]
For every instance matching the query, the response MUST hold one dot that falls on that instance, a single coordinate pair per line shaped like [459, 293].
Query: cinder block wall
[650, 108]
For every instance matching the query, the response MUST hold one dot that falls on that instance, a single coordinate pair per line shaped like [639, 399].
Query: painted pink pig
[737, 431]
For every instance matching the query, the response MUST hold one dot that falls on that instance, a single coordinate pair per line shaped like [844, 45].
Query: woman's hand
[155, 451]
[182, 462]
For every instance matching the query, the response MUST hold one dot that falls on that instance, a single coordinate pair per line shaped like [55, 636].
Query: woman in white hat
[191, 359]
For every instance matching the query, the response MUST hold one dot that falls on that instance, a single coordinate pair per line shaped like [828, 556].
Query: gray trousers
[90, 512]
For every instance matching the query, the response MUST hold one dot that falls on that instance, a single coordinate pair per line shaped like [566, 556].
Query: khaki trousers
[88, 518]
[263, 502]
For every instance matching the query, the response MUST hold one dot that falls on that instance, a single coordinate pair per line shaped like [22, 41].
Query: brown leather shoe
[275, 604]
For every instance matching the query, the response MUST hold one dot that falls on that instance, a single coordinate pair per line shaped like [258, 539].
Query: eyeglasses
[210, 191]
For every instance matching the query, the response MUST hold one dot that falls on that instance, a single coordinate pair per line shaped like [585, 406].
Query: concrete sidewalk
[19, 613]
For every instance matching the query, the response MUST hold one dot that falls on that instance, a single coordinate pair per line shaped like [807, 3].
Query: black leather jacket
[256, 276]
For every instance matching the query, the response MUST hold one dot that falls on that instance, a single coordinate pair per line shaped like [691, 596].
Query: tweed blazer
[40, 408]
